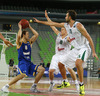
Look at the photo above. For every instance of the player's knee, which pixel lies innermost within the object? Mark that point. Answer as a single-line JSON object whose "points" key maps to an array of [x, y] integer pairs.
{"points": [[60, 65], [42, 70], [23, 75], [69, 69], [51, 71], [78, 63]]}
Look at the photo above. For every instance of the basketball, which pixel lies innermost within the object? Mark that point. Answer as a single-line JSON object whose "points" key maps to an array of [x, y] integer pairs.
{"points": [[24, 23]]}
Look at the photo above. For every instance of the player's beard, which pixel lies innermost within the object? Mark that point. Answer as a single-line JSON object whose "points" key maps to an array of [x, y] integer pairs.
{"points": [[67, 21], [27, 38]]}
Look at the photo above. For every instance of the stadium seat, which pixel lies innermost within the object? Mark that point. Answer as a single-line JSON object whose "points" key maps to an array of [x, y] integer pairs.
{"points": [[47, 46]]}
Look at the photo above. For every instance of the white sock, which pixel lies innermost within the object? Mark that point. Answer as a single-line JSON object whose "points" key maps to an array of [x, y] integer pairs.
{"points": [[76, 82], [35, 84], [81, 83], [66, 80], [51, 81], [7, 85]]}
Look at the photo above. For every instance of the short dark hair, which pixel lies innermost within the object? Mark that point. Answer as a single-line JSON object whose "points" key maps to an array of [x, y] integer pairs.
{"points": [[72, 13], [23, 32]]}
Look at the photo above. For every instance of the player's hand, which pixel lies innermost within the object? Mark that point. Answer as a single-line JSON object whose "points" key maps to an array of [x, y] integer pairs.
{"points": [[36, 20], [19, 25], [8, 43], [95, 55]]}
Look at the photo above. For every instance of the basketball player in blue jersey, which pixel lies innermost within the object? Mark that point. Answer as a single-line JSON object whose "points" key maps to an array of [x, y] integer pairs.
{"points": [[5, 41], [61, 49], [77, 30], [25, 66]]}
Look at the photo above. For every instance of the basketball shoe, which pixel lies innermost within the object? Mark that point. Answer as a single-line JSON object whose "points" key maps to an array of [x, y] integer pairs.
{"points": [[34, 89], [63, 85], [82, 92], [5, 88]]}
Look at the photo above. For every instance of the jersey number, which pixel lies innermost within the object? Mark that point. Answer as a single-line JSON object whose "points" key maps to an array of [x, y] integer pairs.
{"points": [[26, 47], [61, 41]]}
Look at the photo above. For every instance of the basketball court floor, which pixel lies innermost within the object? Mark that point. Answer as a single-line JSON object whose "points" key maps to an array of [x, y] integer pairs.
{"points": [[22, 87]]}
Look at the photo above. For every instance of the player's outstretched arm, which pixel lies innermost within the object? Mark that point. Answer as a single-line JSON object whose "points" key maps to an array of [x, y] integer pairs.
{"points": [[5, 41], [49, 23], [1, 37], [35, 36], [85, 33], [53, 27]]}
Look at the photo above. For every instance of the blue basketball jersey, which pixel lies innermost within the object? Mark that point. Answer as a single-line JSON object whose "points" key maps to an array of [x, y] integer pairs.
{"points": [[24, 52], [25, 66]]}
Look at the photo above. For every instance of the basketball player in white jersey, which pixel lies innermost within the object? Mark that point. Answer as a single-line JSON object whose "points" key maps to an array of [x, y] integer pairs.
{"points": [[5, 41], [75, 30], [62, 48]]}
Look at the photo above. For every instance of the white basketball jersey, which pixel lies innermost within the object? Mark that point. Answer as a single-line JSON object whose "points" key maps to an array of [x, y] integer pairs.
{"points": [[62, 45], [73, 32]]}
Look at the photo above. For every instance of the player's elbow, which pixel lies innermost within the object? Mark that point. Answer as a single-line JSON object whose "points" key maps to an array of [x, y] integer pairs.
{"points": [[18, 36], [37, 35]]}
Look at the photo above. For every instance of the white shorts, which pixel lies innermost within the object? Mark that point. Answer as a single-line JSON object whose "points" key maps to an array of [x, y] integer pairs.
{"points": [[83, 54], [73, 55], [54, 62]]}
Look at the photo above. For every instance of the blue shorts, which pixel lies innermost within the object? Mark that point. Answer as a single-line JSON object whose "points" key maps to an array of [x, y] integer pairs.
{"points": [[27, 68]]}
